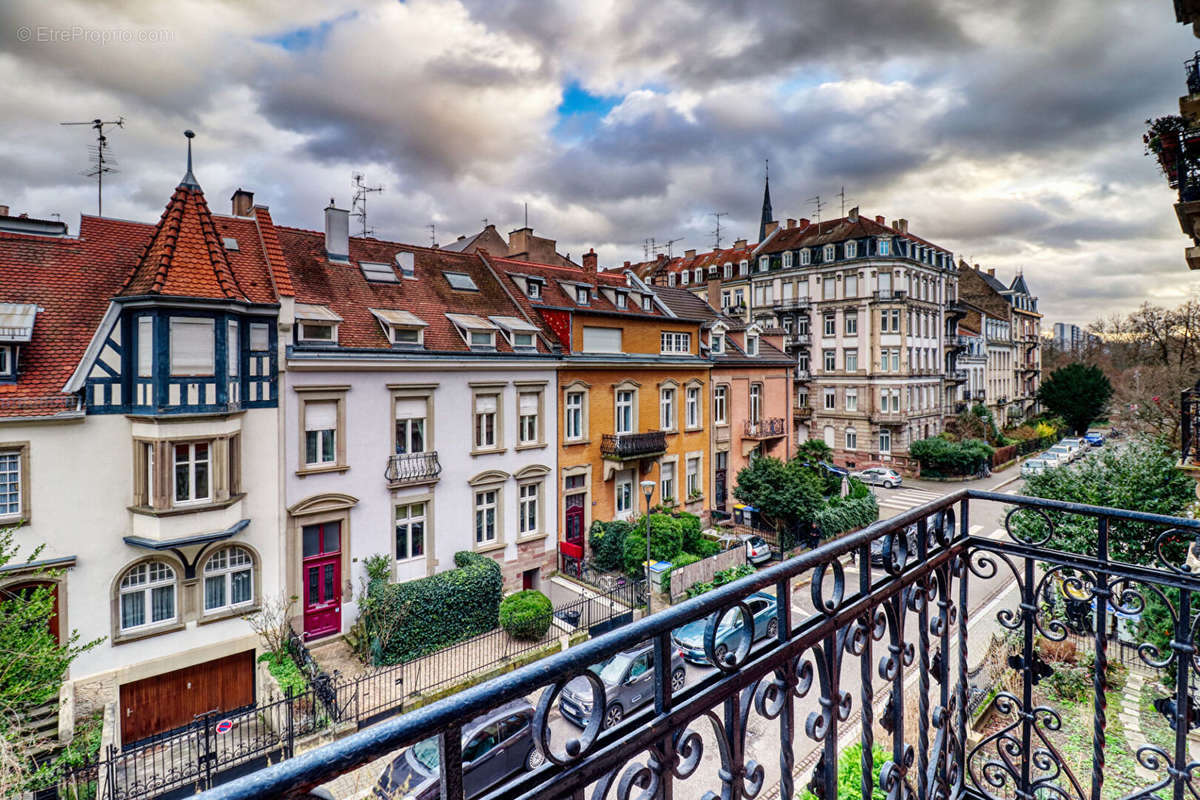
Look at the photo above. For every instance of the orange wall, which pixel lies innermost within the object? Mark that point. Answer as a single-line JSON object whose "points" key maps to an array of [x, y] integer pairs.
{"points": [[638, 335]]}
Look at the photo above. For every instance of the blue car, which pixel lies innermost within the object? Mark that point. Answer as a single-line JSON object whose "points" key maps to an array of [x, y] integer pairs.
{"points": [[1094, 438], [689, 638]]}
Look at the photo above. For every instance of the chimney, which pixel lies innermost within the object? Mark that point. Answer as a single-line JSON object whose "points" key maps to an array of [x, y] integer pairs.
{"points": [[242, 202], [853, 216], [902, 225], [740, 243], [713, 295], [770, 228], [3, 211], [689, 253], [460, 237], [992, 272], [662, 258], [518, 241], [791, 223], [627, 265], [337, 233], [805, 222], [589, 264], [879, 219]]}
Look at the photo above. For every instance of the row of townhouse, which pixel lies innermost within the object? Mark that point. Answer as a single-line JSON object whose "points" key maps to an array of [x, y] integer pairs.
{"points": [[200, 415]]}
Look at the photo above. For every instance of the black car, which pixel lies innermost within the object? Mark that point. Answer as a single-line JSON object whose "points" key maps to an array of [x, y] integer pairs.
{"points": [[495, 746], [910, 536]]}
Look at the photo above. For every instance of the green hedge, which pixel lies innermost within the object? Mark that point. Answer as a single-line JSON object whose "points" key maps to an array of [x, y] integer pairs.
{"points": [[608, 543], [941, 457], [666, 542], [407, 620], [526, 615], [845, 514]]}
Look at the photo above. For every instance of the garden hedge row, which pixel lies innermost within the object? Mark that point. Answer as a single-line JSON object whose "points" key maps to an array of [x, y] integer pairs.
{"points": [[940, 457], [846, 514], [407, 620]]}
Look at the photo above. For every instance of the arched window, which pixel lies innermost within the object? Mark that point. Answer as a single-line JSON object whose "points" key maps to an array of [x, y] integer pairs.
{"points": [[148, 595], [228, 579]]}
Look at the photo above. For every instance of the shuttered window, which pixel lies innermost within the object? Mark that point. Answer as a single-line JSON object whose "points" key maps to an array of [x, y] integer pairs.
{"points": [[602, 340], [192, 346]]}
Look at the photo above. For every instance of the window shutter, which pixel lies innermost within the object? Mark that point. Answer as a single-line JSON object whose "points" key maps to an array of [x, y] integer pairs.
{"points": [[411, 408], [602, 340], [485, 404], [529, 404], [320, 415], [145, 334], [233, 352], [191, 346]]}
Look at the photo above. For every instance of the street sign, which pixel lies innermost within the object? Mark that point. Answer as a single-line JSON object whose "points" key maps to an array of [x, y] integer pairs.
{"points": [[225, 726]]}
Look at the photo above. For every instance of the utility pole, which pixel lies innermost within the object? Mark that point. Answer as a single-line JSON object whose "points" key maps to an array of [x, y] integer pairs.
{"points": [[100, 162]]}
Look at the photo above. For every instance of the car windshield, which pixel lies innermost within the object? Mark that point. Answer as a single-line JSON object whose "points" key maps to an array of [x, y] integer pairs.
{"points": [[613, 670], [756, 541], [1033, 463], [426, 752]]}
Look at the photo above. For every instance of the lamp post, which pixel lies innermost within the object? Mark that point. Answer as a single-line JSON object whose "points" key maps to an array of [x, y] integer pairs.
{"points": [[648, 490]]}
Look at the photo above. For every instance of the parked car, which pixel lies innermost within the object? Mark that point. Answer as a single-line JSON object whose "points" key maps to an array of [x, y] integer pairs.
{"points": [[758, 550], [1094, 438], [1034, 466], [879, 476], [1077, 442], [495, 746], [1064, 453], [1054, 459], [628, 679], [910, 536], [689, 638]]}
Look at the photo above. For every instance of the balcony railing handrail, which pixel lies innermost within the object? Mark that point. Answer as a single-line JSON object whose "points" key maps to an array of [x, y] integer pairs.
{"points": [[632, 444], [944, 553], [408, 467], [768, 426]]}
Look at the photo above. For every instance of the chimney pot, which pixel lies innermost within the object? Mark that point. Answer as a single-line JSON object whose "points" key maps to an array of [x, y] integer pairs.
{"points": [[902, 225], [689, 253], [627, 265], [770, 227], [804, 222], [992, 272], [854, 214], [879, 219], [791, 223], [337, 233], [242, 202], [3, 211]]}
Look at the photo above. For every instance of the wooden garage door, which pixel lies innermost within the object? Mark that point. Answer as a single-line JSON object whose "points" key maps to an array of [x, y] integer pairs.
{"points": [[174, 699]]}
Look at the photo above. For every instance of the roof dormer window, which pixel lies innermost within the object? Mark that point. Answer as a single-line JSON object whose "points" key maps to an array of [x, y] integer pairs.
{"points": [[8, 362], [763, 263], [685, 277], [851, 249], [316, 324], [621, 300], [671, 279], [646, 302], [519, 333], [830, 253], [477, 332], [885, 247], [728, 273], [744, 267], [751, 344], [805, 257], [533, 288], [583, 295], [698, 276], [403, 328], [787, 259], [717, 343]]}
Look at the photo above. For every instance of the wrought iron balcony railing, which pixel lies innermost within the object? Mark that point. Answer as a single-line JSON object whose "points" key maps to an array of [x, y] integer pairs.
{"points": [[892, 643], [882, 417], [889, 296], [621, 446], [1189, 425], [404, 469], [765, 428], [792, 304], [802, 412], [799, 339], [956, 375]]}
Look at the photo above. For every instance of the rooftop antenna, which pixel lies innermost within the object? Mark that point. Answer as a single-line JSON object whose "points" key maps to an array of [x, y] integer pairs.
{"points": [[359, 204], [648, 248], [100, 162], [817, 202], [432, 234], [485, 222], [717, 232], [527, 215], [669, 244], [842, 194]]}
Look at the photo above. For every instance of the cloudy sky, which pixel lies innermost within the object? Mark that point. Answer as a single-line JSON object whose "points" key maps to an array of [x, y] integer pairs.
{"points": [[1009, 132]]}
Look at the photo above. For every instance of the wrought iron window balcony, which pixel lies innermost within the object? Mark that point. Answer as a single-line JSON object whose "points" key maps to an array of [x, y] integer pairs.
{"points": [[802, 412], [799, 339], [408, 469], [771, 428], [880, 417], [892, 643], [624, 446], [888, 297], [803, 375], [792, 304]]}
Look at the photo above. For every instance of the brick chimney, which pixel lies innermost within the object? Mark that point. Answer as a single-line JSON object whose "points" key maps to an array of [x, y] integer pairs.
{"points": [[901, 225], [713, 295], [242, 202], [3, 211], [879, 219], [992, 272], [853, 215], [804, 223], [590, 260], [627, 265], [770, 228], [791, 223], [689, 253], [739, 244]]}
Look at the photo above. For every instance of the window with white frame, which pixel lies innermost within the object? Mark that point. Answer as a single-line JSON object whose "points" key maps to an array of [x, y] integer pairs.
{"points": [[851, 359], [10, 483], [884, 280], [805, 257], [851, 439], [485, 516], [192, 472], [763, 263], [693, 476], [852, 399], [145, 346], [787, 259], [727, 270], [573, 416], [314, 331], [147, 596], [528, 411], [621, 299], [410, 424], [830, 321], [410, 531], [233, 351], [698, 275], [720, 393], [487, 410], [671, 279], [647, 301], [527, 508], [320, 432], [851, 249], [666, 408], [830, 357], [533, 288], [583, 295], [685, 278], [228, 579], [830, 253], [850, 322], [850, 286], [692, 411], [830, 396], [751, 344], [718, 343], [885, 436], [625, 408], [744, 267], [192, 346], [624, 490], [755, 402], [676, 342], [666, 485], [885, 248]]}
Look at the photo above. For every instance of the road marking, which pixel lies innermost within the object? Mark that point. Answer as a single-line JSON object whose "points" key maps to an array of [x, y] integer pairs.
{"points": [[906, 498], [975, 529]]}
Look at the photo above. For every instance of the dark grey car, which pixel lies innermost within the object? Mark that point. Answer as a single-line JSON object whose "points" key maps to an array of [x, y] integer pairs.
{"points": [[628, 679], [495, 746]]}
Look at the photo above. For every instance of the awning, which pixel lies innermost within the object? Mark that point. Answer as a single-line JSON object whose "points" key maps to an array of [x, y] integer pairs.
{"points": [[58, 562], [175, 545], [16, 321], [398, 317], [470, 322], [308, 311], [514, 324]]}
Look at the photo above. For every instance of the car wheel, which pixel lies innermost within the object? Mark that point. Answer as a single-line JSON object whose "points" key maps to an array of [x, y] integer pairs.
{"points": [[772, 628], [720, 652], [613, 715], [534, 760], [889, 485], [678, 678]]}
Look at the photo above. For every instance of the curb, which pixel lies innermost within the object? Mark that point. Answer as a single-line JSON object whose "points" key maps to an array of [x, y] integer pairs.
{"points": [[1001, 485]]}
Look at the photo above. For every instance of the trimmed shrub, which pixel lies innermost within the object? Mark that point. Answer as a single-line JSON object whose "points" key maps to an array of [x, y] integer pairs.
{"points": [[608, 543], [939, 457], [526, 615], [666, 542], [407, 620], [846, 513], [857, 489], [681, 560], [689, 528]]}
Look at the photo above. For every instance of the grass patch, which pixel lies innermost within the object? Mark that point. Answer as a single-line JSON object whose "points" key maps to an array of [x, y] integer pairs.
{"points": [[1154, 725], [286, 673]]}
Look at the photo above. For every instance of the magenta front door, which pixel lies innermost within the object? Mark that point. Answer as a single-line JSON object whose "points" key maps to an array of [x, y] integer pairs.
{"points": [[322, 579]]}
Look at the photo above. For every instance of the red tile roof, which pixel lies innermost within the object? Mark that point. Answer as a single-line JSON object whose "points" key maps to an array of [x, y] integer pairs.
{"points": [[651, 270], [344, 289]]}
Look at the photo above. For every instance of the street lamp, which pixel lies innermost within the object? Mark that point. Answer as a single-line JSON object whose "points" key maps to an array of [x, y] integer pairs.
{"points": [[648, 490]]}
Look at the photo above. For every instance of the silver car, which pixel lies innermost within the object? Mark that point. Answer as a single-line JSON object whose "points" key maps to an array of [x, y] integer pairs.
{"points": [[879, 476], [628, 679]]}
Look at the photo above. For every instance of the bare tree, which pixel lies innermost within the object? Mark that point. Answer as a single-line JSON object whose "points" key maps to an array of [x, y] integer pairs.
{"points": [[273, 622]]}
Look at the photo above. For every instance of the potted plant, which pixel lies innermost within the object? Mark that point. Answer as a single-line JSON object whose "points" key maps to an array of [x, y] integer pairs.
{"points": [[1162, 140]]}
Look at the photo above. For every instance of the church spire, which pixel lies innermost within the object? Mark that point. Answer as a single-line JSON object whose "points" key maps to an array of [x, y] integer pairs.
{"points": [[189, 180], [767, 214]]}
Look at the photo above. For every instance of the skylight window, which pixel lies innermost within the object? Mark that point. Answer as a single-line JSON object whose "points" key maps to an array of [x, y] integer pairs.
{"points": [[408, 268], [380, 273], [461, 281], [229, 242]]}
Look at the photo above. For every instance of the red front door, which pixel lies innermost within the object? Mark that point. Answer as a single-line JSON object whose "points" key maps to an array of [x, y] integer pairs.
{"points": [[574, 519], [322, 579]]}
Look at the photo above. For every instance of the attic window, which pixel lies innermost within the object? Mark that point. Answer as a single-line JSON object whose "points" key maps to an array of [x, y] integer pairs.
{"points": [[699, 275], [787, 259], [744, 267], [477, 332], [805, 257], [461, 281], [403, 328], [751, 344], [316, 332], [718, 343], [533, 288], [621, 300], [316, 324], [646, 301], [519, 333], [229, 242], [380, 273], [8, 362], [404, 260], [885, 247], [728, 270], [583, 295], [851, 249], [685, 277], [830, 253], [763, 263], [671, 279]]}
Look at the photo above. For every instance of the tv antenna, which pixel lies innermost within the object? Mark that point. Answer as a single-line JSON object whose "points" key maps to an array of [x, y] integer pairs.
{"points": [[669, 244], [648, 248], [842, 194], [717, 232], [432, 234], [817, 202], [359, 204], [101, 163]]}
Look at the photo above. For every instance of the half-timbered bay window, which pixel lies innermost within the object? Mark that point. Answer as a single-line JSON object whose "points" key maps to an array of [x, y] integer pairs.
{"points": [[147, 596], [193, 350], [228, 579]]}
